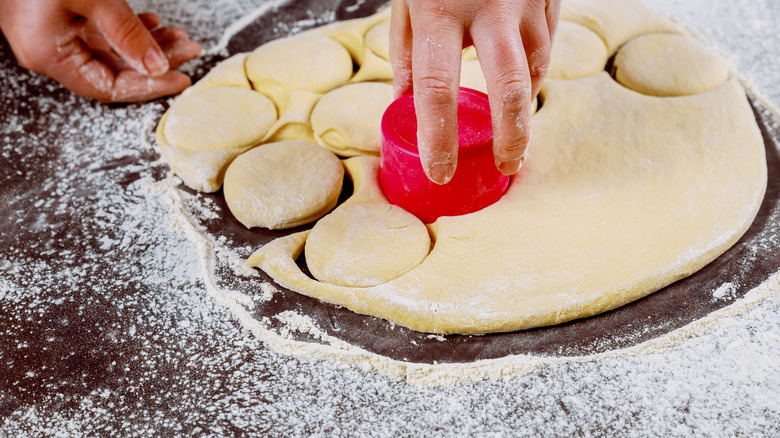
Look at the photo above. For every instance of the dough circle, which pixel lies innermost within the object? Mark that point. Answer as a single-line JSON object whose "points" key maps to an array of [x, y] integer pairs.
{"points": [[622, 193], [669, 65], [348, 119], [308, 62], [363, 245], [577, 52], [283, 185], [219, 118]]}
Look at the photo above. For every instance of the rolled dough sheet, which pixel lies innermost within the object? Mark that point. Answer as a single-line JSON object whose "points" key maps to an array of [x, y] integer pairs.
{"points": [[622, 194]]}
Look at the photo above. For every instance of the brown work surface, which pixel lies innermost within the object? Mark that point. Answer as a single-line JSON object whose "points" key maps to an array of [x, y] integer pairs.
{"points": [[751, 261], [106, 328]]}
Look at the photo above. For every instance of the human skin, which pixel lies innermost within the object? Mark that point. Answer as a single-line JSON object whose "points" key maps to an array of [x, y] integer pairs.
{"points": [[98, 48], [513, 39]]}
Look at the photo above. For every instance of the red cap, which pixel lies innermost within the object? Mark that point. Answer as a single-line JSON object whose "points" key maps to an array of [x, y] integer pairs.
{"points": [[477, 182]]}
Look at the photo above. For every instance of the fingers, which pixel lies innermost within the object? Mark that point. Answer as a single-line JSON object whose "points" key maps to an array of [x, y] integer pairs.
{"points": [[436, 57], [401, 48], [131, 86], [88, 76], [504, 63], [535, 34], [179, 51], [126, 33], [150, 19]]}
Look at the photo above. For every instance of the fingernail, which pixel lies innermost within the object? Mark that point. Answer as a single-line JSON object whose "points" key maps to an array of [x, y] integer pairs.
{"points": [[155, 62], [441, 173], [510, 167]]}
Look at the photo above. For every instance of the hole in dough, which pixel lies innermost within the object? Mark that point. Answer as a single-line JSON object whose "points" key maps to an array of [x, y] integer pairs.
{"points": [[283, 185], [364, 245], [669, 65]]}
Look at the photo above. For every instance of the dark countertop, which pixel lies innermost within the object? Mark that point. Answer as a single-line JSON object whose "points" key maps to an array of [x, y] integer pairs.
{"points": [[106, 325]]}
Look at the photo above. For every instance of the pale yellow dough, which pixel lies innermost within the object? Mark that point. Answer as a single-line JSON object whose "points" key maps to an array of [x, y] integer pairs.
{"points": [[219, 118], [366, 245], [348, 119], [669, 65], [607, 209], [622, 193], [577, 52], [307, 62], [283, 185], [205, 130]]}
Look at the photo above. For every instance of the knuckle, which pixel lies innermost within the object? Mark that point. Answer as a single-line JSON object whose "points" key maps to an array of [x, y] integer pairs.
{"points": [[438, 89], [128, 29], [539, 63], [512, 149], [514, 89]]}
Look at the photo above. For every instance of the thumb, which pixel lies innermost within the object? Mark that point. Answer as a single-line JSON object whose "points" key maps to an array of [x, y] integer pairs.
{"points": [[126, 34]]}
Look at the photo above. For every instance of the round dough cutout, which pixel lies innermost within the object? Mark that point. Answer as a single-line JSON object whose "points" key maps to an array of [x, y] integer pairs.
{"points": [[348, 120], [362, 245], [577, 52], [309, 62], [669, 65], [219, 118], [283, 185]]}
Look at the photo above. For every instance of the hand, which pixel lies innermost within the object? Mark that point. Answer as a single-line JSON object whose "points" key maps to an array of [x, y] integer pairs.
{"points": [[98, 48], [512, 39]]}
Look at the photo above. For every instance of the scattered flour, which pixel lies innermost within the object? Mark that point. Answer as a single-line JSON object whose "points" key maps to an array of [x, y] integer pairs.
{"points": [[105, 328]]}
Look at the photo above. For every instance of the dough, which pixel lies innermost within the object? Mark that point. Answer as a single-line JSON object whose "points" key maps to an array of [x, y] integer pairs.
{"points": [[471, 76], [621, 194], [228, 73], [283, 185], [348, 120], [669, 65], [295, 121], [308, 62], [352, 34], [366, 245], [616, 21], [378, 39], [577, 52], [203, 131], [607, 209], [219, 118]]}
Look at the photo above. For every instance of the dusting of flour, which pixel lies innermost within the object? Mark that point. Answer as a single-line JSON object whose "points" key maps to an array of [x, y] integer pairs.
{"points": [[132, 268]]}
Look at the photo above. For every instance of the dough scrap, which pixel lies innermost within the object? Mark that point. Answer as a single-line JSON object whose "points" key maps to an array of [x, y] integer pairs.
{"points": [[577, 52], [365, 245], [348, 120], [352, 33], [669, 65], [295, 121], [309, 62], [606, 210], [378, 39], [228, 73], [283, 185]]}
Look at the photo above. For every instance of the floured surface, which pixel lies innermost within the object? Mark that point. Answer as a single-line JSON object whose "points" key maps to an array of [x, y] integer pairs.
{"points": [[106, 325]]}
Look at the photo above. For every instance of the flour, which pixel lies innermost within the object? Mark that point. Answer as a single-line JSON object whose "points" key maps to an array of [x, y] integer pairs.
{"points": [[124, 341]]}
